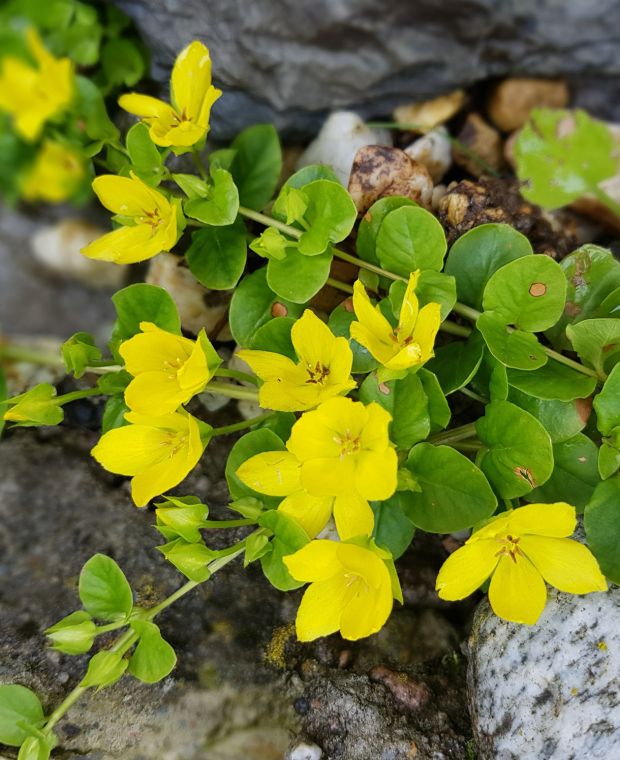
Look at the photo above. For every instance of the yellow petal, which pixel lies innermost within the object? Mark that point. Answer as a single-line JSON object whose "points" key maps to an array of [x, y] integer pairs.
{"points": [[269, 365], [363, 563], [283, 396], [312, 339], [154, 349], [155, 393], [353, 516], [181, 135], [408, 356], [195, 373], [274, 473], [147, 107], [565, 564], [370, 316], [130, 449], [426, 329], [191, 79], [409, 308], [340, 362], [466, 569], [558, 520], [328, 477], [376, 473], [380, 346], [375, 431], [321, 608], [316, 561], [310, 439], [126, 245], [209, 99], [177, 422], [311, 512], [517, 591], [367, 610], [42, 56], [123, 195]]}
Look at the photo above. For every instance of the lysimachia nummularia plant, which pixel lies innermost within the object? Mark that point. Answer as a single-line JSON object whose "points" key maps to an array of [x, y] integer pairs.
{"points": [[354, 411]]}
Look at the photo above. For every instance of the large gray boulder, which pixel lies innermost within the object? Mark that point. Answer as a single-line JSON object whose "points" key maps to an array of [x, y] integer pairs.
{"points": [[291, 61]]}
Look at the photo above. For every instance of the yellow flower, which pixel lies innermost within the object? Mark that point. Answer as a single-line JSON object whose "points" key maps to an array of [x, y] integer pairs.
{"points": [[152, 221], [278, 473], [323, 369], [55, 175], [350, 589], [32, 95], [158, 452], [168, 369], [521, 550], [344, 448], [186, 121], [410, 344]]}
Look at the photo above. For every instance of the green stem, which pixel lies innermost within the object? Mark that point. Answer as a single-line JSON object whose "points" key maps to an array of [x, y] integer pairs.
{"points": [[75, 395], [367, 265], [453, 329], [343, 286], [467, 446], [474, 396], [236, 374], [226, 429], [269, 221], [200, 165], [232, 391], [455, 434], [30, 355], [607, 201]]}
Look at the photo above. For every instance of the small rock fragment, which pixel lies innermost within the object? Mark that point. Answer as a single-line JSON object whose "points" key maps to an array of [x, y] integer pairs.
{"points": [[379, 171], [513, 99], [198, 307], [305, 751], [428, 114], [410, 693], [592, 208], [434, 150], [483, 141], [57, 246], [342, 135]]}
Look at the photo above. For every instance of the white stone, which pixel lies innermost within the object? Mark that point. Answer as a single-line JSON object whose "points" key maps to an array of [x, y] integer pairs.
{"points": [[341, 136], [57, 246], [305, 751], [549, 691], [434, 150]]}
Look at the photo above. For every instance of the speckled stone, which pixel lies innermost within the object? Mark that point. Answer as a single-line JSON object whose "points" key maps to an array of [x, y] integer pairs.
{"points": [[549, 691]]}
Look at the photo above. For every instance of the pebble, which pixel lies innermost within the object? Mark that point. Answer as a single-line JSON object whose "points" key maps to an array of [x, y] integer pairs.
{"points": [[513, 99], [341, 136], [379, 171], [549, 691], [434, 150], [481, 139], [305, 751], [428, 114], [57, 247]]}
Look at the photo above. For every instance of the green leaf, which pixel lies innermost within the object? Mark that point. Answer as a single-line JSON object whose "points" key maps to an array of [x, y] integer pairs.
{"points": [[114, 413], [393, 529], [153, 658], [561, 419], [73, 634], [602, 524], [553, 381], [596, 341], [456, 363], [308, 174], [432, 287], [256, 546], [477, 254], [253, 304], [529, 293], [513, 348], [257, 164], [607, 403], [221, 205], [18, 705], [575, 473], [191, 559], [80, 352], [562, 155], [145, 158], [411, 238], [520, 453], [438, 408], [297, 277], [255, 442], [340, 323], [3, 396], [275, 336], [454, 494], [104, 590], [184, 519], [592, 274], [143, 303], [289, 536], [36, 748], [330, 214], [93, 113], [104, 669], [608, 460], [406, 401], [366, 242], [122, 62], [217, 255], [35, 408], [192, 186]]}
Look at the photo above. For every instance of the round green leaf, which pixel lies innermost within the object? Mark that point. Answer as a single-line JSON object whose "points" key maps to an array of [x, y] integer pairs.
{"points": [[104, 590], [454, 493], [308, 174], [289, 536], [393, 529], [330, 213], [561, 419], [602, 523], [253, 304], [256, 165], [221, 205], [438, 407], [477, 254], [553, 381], [607, 403], [529, 293], [520, 453], [255, 442], [411, 238], [145, 158], [144, 303], [217, 255], [575, 473], [339, 323], [456, 363], [17, 703], [596, 341], [275, 336], [153, 658], [298, 277], [366, 242], [513, 348]]}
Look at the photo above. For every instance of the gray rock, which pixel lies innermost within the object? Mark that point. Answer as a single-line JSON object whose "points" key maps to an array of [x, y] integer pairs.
{"points": [[292, 61], [550, 691]]}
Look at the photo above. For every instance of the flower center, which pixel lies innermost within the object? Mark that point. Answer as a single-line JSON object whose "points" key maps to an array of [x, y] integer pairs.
{"points": [[406, 342], [510, 547], [349, 444], [353, 579], [152, 218], [175, 441], [318, 374], [172, 367]]}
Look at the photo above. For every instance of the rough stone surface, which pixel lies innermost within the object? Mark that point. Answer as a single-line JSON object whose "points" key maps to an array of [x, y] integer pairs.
{"points": [[552, 690], [512, 100], [292, 61]]}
